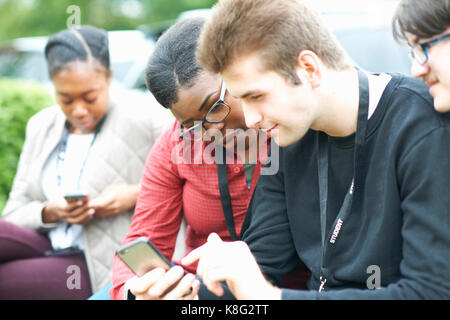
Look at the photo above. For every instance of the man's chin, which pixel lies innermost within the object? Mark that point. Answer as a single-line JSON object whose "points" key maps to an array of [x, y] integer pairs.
{"points": [[279, 141], [441, 106], [282, 141]]}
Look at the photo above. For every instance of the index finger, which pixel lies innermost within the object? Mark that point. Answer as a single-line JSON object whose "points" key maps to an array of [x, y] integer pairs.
{"points": [[193, 256], [196, 254]]}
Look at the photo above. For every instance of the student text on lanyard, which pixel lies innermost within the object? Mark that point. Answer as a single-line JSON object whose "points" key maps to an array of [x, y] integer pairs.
{"points": [[329, 240]]}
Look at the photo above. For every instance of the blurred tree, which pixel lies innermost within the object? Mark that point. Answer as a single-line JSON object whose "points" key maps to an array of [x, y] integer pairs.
{"points": [[23, 18]]}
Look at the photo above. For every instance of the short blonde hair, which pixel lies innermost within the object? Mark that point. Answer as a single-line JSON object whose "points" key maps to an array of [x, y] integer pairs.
{"points": [[278, 29]]}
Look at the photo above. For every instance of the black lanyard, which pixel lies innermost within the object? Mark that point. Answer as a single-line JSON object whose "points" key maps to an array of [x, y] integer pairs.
{"points": [[329, 241], [225, 197]]}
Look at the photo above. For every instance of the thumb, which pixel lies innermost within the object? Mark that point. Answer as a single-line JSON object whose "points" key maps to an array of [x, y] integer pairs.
{"points": [[100, 201]]}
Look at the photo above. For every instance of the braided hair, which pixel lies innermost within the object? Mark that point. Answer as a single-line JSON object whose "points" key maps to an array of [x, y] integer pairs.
{"points": [[84, 43]]}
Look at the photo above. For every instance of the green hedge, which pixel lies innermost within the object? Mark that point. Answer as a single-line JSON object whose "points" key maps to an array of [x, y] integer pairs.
{"points": [[19, 100]]}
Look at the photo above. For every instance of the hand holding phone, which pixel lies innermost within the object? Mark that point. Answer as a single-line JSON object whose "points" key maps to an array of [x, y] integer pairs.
{"points": [[141, 256], [68, 209]]}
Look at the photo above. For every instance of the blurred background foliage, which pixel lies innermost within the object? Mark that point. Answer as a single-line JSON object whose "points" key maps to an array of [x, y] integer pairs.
{"points": [[24, 18], [19, 100]]}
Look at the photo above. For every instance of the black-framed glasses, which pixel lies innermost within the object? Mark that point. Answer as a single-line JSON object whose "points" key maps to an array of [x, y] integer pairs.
{"points": [[216, 114], [420, 51]]}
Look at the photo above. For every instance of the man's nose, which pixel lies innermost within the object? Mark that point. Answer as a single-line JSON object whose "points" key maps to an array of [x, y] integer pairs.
{"points": [[252, 116], [419, 70]]}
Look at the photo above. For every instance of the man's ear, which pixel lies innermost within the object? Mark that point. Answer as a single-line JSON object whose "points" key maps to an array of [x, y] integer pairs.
{"points": [[309, 67]]}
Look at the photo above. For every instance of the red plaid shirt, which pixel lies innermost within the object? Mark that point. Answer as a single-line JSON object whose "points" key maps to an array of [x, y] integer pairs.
{"points": [[171, 191]]}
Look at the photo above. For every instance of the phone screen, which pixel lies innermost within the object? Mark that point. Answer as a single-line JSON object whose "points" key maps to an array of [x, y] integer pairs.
{"points": [[74, 197], [141, 256]]}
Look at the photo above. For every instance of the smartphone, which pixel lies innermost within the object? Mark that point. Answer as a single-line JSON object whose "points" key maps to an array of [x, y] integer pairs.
{"points": [[141, 256], [74, 197]]}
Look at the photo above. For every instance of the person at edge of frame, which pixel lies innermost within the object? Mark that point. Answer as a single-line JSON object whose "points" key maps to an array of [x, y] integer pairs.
{"points": [[425, 25]]}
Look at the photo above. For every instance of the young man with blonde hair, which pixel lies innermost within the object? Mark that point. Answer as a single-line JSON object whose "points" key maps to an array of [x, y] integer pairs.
{"points": [[361, 196], [425, 24]]}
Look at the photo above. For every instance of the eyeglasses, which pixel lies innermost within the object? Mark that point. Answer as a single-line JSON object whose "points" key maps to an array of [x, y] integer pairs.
{"points": [[216, 114], [420, 51]]}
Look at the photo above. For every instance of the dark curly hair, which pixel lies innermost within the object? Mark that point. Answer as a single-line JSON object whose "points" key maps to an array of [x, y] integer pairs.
{"points": [[173, 63], [421, 18]]}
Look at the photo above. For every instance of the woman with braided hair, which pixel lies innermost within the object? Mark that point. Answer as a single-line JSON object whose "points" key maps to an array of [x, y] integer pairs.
{"points": [[89, 144]]}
